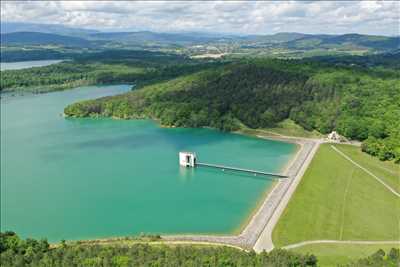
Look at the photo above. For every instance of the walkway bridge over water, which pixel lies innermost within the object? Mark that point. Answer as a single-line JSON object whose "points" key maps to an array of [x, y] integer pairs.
{"points": [[189, 159], [223, 168]]}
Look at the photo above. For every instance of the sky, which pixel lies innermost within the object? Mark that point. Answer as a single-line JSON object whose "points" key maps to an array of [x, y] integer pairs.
{"points": [[238, 17]]}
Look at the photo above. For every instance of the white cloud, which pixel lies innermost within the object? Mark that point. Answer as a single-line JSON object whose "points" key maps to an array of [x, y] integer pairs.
{"points": [[245, 17]]}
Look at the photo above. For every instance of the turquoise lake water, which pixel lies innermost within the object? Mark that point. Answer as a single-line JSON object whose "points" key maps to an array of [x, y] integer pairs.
{"points": [[92, 178], [26, 64]]}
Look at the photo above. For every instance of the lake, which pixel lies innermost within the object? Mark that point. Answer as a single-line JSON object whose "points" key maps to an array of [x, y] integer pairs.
{"points": [[64, 178], [26, 64]]}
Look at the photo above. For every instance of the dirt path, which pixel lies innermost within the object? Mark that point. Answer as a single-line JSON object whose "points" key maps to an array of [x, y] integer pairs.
{"points": [[344, 204], [367, 171], [355, 242]]}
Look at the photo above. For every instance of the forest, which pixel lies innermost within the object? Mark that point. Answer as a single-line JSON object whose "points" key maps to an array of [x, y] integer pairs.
{"points": [[361, 103], [358, 96], [100, 67], [15, 251]]}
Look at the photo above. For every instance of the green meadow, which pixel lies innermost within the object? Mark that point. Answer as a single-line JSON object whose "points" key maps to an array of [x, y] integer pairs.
{"points": [[337, 200], [386, 170]]}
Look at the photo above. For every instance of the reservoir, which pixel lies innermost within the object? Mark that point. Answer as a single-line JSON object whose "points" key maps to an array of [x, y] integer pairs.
{"points": [[26, 64], [71, 179]]}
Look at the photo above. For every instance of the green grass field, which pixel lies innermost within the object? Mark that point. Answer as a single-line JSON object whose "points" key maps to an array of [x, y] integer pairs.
{"points": [[337, 200], [285, 128], [387, 171], [334, 254], [290, 128]]}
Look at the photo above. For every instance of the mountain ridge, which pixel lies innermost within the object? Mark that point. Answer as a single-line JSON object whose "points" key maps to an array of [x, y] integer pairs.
{"points": [[284, 40], [40, 38]]}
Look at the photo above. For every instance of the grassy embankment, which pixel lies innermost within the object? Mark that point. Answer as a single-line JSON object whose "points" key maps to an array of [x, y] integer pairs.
{"points": [[336, 200], [286, 128]]}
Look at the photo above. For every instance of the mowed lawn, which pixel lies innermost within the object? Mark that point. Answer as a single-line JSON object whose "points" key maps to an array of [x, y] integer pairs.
{"points": [[335, 254], [387, 171], [336, 200]]}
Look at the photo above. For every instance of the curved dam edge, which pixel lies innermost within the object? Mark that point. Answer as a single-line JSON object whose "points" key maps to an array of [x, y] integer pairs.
{"points": [[257, 234]]}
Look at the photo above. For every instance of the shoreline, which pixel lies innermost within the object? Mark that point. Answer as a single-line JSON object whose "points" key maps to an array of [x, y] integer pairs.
{"points": [[253, 227], [265, 240], [275, 182], [254, 210], [249, 231], [252, 232]]}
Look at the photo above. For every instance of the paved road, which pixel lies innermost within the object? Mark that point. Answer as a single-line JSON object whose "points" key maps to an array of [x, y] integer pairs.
{"points": [[356, 242], [264, 242]]}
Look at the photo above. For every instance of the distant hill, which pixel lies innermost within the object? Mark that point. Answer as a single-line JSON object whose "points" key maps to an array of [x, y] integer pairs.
{"points": [[281, 37], [345, 40], [290, 40], [10, 27], [389, 60], [291, 43], [147, 36], [378, 42], [193, 37], [38, 38]]}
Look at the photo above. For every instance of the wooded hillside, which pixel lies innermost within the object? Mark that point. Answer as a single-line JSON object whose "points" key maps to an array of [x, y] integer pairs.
{"points": [[104, 67], [360, 103]]}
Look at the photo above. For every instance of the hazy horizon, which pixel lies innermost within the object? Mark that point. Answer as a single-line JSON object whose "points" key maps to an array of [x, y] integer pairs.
{"points": [[215, 17], [187, 32]]}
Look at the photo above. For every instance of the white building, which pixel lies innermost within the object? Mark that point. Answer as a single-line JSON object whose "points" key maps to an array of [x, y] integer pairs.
{"points": [[187, 159], [334, 136]]}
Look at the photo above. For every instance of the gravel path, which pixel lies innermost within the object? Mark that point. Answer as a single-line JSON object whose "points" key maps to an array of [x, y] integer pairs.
{"points": [[356, 242], [264, 242], [280, 194]]}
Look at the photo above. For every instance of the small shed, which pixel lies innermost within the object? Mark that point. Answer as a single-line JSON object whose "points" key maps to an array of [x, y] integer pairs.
{"points": [[334, 136], [187, 159]]}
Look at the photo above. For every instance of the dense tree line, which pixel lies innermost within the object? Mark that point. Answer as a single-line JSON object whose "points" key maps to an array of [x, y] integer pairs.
{"points": [[17, 252], [391, 60], [360, 103], [17, 54], [27, 53], [222, 97], [48, 78], [378, 259], [103, 67]]}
